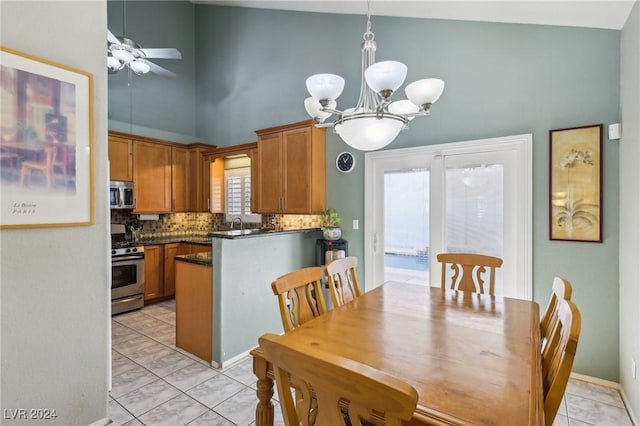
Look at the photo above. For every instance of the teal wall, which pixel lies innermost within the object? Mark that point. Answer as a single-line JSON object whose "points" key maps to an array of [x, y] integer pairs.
{"points": [[150, 105], [501, 79]]}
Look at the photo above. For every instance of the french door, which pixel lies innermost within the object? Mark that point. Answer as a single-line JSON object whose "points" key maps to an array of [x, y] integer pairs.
{"points": [[472, 197]]}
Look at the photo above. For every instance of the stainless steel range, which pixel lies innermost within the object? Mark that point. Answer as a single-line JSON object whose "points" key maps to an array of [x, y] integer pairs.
{"points": [[127, 272]]}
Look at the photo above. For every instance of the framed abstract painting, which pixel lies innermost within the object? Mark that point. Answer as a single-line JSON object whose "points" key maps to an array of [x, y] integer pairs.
{"points": [[46, 143]]}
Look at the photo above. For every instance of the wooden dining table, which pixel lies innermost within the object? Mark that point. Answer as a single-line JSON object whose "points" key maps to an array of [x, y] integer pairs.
{"points": [[473, 358]]}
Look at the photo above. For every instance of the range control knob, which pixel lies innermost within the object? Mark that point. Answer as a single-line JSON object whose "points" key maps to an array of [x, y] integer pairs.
{"points": [[128, 250], [113, 252], [135, 249]]}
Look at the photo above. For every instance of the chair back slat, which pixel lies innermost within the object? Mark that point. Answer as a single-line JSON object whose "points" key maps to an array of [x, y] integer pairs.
{"points": [[469, 271], [558, 358], [314, 387], [300, 296], [561, 289], [343, 280]]}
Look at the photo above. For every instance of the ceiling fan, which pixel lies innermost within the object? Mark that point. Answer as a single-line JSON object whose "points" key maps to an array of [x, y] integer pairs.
{"points": [[123, 51]]}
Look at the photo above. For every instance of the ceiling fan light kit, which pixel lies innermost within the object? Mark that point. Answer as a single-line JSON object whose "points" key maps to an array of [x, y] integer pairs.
{"points": [[376, 120], [125, 52]]}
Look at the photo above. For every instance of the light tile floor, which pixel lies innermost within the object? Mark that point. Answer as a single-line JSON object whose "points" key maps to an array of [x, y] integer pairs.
{"points": [[155, 383]]}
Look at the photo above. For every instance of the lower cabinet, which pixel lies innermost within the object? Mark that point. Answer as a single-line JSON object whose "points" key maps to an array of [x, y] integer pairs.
{"points": [[194, 316], [170, 253], [190, 248], [160, 268], [153, 272]]}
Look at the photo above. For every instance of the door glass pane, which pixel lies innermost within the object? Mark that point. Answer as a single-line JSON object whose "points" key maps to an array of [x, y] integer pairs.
{"points": [[406, 225], [474, 211]]}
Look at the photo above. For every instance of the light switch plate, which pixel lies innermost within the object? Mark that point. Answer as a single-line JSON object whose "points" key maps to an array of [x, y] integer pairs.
{"points": [[356, 224], [614, 131]]}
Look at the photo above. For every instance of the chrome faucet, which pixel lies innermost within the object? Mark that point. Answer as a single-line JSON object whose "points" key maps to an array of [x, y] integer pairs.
{"points": [[237, 218]]}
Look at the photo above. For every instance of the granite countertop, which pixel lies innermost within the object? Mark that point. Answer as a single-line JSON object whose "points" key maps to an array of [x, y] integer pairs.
{"points": [[204, 259], [176, 239], [249, 233]]}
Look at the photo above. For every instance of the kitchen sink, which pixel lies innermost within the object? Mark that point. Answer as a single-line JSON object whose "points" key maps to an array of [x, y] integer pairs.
{"points": [[239, 232]]}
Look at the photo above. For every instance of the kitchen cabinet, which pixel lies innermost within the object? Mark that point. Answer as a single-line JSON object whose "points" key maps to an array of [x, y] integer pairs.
{"points": [[152, 177], [199, 187], [179, 178], [217, 160], [217, 185], [291, 169], [153, 272], [168, 177], [194, 309], [192, 248], [169, 267], [255, 196], [160, 268], [170, 253], [120, 158]]}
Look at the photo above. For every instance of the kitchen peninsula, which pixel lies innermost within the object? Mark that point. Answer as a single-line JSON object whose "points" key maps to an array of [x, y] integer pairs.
{"points": [[243, 263]]}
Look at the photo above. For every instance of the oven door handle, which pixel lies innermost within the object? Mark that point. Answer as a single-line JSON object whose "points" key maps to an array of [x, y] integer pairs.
{"points": [[126, 258]]}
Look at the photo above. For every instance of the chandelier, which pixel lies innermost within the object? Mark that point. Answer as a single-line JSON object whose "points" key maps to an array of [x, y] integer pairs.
{"points": [[376, 120]]}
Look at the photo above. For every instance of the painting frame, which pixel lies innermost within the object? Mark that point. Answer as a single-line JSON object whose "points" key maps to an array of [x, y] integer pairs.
{"points": [[575, 184], [46, 143]]}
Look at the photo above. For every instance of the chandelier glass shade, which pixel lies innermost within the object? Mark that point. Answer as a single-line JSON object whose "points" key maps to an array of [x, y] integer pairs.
{"points": [[376, 120]]}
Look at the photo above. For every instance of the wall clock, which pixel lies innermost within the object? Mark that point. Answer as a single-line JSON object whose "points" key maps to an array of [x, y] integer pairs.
{"points": [[345, 162]]}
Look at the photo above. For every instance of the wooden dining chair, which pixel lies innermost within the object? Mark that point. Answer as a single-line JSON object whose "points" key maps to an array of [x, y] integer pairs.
{"points": [[330, 390], [469, 271], [44, 166], [558, 360], [299, 296], [561, 289], [343, 280]]}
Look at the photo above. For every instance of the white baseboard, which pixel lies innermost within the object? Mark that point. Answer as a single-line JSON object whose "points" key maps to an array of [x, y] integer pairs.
{"points": [[627, 405], [610, 384], [231, 361], [595, 380], [101, 422]]}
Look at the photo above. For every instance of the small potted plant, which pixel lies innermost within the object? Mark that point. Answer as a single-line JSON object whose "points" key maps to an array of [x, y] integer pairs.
{"points": [[331, 225]]}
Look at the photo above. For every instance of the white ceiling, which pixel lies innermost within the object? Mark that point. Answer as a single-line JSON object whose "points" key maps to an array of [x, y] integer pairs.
{"points": [[610, 14]]}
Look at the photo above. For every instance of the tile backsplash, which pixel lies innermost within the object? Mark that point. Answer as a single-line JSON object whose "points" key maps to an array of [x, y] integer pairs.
{"points": [[200, 224]]}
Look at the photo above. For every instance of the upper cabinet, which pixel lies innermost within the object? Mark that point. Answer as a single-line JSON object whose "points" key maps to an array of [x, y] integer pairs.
{"points": [[216, 182], [199, 198], [152, 177], [179, 178], [120, 158], [217, 159], [291, 169]]}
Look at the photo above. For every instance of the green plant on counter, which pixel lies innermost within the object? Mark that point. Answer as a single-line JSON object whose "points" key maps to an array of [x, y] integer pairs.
{"points": [[330, 219]]}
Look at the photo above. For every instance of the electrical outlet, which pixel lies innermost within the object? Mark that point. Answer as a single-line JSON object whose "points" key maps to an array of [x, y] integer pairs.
{"points": [[356, 224], [633, 368]]}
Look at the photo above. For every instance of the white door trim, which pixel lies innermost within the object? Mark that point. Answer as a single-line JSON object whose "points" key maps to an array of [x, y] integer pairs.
{"points": [[521, 144]]}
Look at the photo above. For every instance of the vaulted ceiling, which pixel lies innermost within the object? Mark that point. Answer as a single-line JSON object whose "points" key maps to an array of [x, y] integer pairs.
{"points": [[610, 14]]}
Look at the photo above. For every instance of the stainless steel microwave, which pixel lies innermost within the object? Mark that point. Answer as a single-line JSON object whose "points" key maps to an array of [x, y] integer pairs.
{"points": [[121, 195]]}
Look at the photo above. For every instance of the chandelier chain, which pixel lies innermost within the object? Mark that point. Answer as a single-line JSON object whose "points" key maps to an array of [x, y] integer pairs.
{"points": [[368, 34]]}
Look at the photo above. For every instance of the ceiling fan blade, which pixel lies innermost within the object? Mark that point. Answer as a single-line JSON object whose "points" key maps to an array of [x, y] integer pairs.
{"points": [[166, 53], [111, 38], [161, 71]]}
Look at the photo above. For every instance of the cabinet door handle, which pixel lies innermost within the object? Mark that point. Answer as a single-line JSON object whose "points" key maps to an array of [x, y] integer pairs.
{"points": [[208, 203]]}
